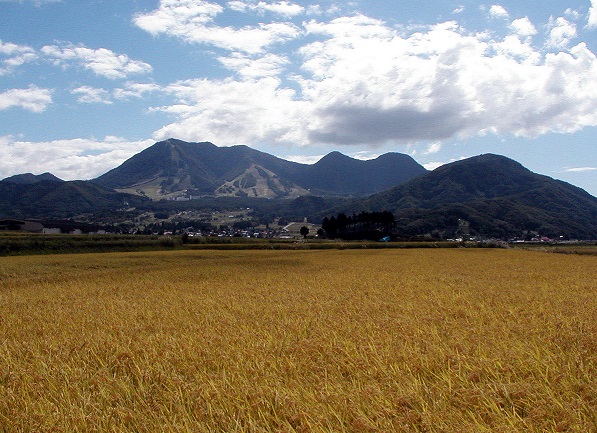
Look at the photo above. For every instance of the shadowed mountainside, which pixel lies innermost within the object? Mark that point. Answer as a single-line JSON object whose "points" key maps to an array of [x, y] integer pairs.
{"points": [[496, 195]]}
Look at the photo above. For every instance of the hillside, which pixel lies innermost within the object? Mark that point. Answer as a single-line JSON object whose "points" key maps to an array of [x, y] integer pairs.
{"points": [[45, 199], [495, 195], [171, 167]]}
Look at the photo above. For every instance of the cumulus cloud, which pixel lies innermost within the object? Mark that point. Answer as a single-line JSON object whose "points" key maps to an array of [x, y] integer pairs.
{"points": [[433, 165], [193, 22], [284, 8], [33, 99], [92, 95], [13, 55], [498, 11], [523, 27], [101, 61], [67, 159], [229, 112], [249, 67], [364, 82], [434, 148], [561, 33], [592, 23]]}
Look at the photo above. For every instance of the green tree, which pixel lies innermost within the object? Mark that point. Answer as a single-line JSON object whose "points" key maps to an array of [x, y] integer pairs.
{"points": [[304, 231]]}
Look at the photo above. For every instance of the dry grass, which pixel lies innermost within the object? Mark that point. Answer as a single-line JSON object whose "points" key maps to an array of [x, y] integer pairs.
{"points": [[299, 341]]}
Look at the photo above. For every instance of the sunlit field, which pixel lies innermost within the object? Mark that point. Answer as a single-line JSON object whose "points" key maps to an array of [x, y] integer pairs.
{"points": [[444, 340]]}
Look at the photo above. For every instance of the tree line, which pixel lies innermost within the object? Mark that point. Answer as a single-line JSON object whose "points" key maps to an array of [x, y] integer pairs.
{"points": [[364, 225]]}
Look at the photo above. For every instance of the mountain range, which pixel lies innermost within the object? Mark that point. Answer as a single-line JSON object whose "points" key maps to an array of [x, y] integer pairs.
{"points": [[172, 167], [487, 195]]}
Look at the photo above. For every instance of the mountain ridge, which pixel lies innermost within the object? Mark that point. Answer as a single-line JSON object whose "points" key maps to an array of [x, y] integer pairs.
{"points": [[63, 199], [483, 196], [29, 178], [174, 166], [495, 194]]}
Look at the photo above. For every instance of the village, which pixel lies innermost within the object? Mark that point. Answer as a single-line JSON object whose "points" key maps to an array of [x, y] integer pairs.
{"points": [[226, 225], [188, 224]]}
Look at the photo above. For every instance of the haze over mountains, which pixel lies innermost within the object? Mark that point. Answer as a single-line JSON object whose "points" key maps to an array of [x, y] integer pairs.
{"points": [[494, 195]]}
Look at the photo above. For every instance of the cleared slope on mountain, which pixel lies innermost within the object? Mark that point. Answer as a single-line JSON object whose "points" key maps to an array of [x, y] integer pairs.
{"points": [[173, 166]]}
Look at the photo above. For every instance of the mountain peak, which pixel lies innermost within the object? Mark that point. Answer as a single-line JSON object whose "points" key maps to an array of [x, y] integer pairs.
{"points": [[30, 178], [493, 158], [334, 157], [496, 195], [173, 167]]}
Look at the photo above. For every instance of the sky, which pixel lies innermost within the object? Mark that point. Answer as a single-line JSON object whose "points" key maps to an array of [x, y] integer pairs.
{"points": [[86, 84]]}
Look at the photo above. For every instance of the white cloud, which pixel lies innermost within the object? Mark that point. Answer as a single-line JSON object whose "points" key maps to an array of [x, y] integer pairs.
{"points": [[364, 155], [459, 10], [304, 159], [580, 169], [561, 32], [523, 27], [364, 82], [283, 8], [572, 14], [265, 66], [102, 61], [229, 112], [92, 95], [193, 21], [433, 165], [498, 11], [519, 49], [67, 159], [177, 16], [433, 148], [135, 90], [314, 10], [592, 21], [33, 99], [13, 55]]}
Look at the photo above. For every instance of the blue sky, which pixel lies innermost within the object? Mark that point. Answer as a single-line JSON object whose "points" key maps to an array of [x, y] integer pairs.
{"points": [[85, 84]]}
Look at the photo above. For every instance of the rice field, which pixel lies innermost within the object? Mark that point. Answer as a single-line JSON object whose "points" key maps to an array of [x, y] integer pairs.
{"points": [[444, 340]]}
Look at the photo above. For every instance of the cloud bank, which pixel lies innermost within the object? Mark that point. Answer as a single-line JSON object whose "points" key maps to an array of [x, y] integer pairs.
{"points": [[67, 159], [360, 81]]}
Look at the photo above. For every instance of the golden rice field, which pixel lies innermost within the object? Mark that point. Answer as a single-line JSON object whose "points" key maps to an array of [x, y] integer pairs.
{"points": [[444, 340]]}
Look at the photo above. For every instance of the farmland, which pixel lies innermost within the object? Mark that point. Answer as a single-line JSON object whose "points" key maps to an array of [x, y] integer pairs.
{"points": [[388, 340]]}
